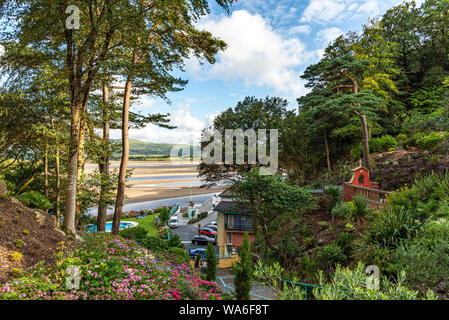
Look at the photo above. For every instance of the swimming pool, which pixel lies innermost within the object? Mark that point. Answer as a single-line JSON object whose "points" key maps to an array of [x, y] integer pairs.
{"points": [[123, 225]]}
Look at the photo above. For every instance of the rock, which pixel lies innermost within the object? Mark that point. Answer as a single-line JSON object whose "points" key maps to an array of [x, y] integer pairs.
{"points": [[441, 288], [59, 231], [16, 201], [40, 217], [3, 189], [320, 241]]}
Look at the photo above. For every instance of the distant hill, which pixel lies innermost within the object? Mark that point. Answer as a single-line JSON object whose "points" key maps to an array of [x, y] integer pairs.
{"points": [[141, 150]]}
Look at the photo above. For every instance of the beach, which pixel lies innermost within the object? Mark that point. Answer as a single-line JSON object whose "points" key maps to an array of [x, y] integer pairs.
{"points": [[152, 181]]}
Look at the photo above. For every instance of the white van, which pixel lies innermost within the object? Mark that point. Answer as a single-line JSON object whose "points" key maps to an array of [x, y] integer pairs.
{"points": [[173, 222]]}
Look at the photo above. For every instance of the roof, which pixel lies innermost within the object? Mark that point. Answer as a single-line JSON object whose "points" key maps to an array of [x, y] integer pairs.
{"points": [[232, 208]]}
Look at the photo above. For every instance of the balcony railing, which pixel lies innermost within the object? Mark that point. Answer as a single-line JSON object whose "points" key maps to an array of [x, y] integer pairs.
{"points": [[237, 227]]}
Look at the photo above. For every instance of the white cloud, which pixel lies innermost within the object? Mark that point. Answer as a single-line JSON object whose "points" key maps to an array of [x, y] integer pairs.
{"points": [[337, 11], [305, 29], [188, 129], [256, 54], [328, 35], [2, 50]]}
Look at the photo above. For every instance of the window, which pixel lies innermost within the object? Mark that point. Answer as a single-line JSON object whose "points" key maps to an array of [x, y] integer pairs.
{"points": [[361, 179], [242, 217], [229, 236]]}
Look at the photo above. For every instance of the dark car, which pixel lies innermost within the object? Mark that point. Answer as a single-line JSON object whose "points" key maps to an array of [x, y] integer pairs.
{"points": [[201, 239], [200, 251], [208, 232], [211, 226]]}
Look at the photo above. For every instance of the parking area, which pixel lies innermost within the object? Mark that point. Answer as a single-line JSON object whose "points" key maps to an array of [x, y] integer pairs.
{"points": [[187, 231]]}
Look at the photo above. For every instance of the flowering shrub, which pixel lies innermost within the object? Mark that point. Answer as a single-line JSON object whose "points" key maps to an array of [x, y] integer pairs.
{"points": [[111, 268]]}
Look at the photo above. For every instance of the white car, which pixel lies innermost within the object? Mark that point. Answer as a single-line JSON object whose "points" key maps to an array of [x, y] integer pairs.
{"points": [[173, 223]]}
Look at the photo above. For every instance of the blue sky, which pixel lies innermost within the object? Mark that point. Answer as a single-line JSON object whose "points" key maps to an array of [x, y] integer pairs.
{"points": [[270, 43]]}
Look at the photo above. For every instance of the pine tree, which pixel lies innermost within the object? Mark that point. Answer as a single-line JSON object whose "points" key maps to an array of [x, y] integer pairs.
{"points": [[243, 272], [211, 272]]}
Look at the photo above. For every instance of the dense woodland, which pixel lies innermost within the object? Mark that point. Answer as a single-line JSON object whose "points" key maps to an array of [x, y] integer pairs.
{"points": [[373, 95]]}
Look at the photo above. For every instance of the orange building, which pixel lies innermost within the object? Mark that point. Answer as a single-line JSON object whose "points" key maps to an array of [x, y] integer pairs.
{"points": [[234, 219]]}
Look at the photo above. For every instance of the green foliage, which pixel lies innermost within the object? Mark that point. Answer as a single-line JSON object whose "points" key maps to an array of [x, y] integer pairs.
{"points": [[175, 242], [19, 243], [323, 224], [16, 256], [278, 210], [346, 241], [356, 152], [211, 273], [34, 199], [334, 196], [342, 209], [243, 272], [392, 226], [432, 141], [164, 214], [384, 143], [347, 284], [426, 258], [360, 207], [330, 255], [137, 234]]}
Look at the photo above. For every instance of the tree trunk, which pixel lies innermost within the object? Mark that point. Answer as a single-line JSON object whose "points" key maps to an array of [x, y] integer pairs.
{"points": [[125, 154], [328, 159], [80, 164], [72, 167], [104, 164], [46, 171], [58, 188]]}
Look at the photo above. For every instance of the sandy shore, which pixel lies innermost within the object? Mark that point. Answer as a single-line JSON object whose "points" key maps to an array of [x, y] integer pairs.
{"points": [[160, 180]]}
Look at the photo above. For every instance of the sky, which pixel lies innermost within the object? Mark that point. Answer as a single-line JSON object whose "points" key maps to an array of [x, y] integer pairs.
{"points": [[270, 44]]}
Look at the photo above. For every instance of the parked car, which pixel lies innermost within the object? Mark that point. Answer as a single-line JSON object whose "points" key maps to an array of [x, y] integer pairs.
{"points": [[201, 239], [200, 251], [213, 223], [208, 232], [173, 223], [211, 226]]}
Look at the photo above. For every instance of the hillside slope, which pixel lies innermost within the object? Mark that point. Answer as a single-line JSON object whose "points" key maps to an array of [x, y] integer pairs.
{"points": [[30, 232]]}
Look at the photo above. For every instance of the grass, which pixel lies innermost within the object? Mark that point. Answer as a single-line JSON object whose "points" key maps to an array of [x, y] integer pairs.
{"points": [[147, 224]]}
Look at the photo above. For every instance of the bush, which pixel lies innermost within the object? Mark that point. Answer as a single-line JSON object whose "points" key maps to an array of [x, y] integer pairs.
{"points": [[426, 259], [432, 141], [334, 196], [392, 227], [211, 273], [342, 209], [137, 234], [178, 255], [345, 241], [34, 199], [154, 244], [243, 271], [383, 144], [356, 152], [331, 254], [359, 207], [164, 214], [349, 284]]}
